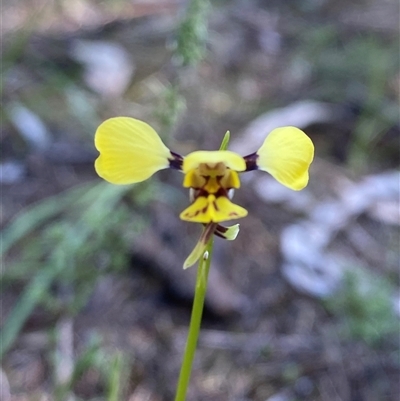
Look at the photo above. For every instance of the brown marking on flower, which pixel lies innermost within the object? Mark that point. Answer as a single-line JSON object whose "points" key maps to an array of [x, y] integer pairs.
{"points": [[251, 162], [215, 205], [176, 161]]}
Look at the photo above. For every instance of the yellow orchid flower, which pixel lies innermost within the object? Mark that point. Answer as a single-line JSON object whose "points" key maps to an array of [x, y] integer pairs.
{"points": [[131, 151]]}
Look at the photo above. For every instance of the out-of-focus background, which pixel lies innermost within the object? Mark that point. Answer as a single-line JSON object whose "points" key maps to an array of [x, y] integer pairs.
{"points": [[303, 305]]}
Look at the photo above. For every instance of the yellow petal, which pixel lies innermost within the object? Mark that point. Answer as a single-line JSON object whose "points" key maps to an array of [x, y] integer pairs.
{"points": [[229, 159], [193, 179], [230, 180], [286, 154], [130, 151], [212, 209]]}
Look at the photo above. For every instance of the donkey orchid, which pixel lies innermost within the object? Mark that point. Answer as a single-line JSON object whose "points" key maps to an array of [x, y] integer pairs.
{"points": [[131, 151]]}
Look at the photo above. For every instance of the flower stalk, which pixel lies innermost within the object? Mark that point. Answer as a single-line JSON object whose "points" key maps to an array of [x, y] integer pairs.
{"points": [[195, 322]]}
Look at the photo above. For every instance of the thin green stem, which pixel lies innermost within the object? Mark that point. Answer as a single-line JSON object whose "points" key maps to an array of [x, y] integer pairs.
{"points": [[195, 321]]}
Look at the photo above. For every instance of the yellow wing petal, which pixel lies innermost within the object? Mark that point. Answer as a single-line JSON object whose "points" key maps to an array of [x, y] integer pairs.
{"points": [[130, 151], [286, 154], [212, 209]]}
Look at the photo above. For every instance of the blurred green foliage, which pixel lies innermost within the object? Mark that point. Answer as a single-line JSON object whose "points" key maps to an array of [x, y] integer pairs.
{"points": [[192, 33], [69, 239], [189, 49], [169, 108], [110, 366], [364, 309]]}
